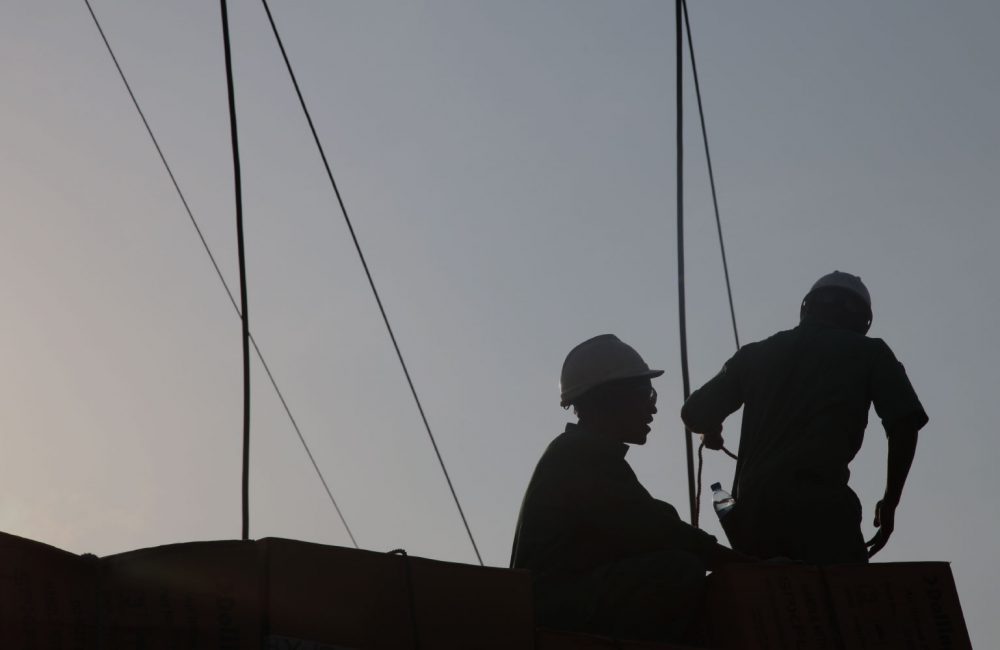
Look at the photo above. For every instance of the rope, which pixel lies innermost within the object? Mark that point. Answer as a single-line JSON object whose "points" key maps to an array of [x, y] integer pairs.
{"points": [[697, 498], [215, 265], [244, 315], [371, 281]]}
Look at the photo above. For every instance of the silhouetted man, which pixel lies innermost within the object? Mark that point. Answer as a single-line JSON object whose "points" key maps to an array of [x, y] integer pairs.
{"points": [[806, 393], [606, 556]]}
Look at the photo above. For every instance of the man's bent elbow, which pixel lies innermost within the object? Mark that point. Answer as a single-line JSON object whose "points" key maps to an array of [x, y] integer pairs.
{"points": [[698, 422]]}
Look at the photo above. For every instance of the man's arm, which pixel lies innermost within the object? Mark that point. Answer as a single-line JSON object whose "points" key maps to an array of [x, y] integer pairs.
{"points": [[707, 407], [902, 416], [649, 524], [902, 447]]}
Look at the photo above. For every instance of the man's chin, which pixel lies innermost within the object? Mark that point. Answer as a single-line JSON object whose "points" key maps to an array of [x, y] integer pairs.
{"points": [[640, 438]]}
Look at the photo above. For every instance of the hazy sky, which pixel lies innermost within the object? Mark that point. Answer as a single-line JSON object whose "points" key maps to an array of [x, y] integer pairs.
{"points": [[509, 167]]}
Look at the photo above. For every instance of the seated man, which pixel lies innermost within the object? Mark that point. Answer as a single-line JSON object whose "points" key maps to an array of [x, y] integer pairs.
{"points": [[606, 556]]}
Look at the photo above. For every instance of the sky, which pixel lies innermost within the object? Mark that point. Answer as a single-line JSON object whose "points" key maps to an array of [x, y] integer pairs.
{"points": [[509, 169]]}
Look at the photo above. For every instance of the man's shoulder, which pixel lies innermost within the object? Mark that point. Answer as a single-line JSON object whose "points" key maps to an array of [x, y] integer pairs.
{"points": [[840, 336], [782, 339], [574, 438], [878, 345], [861, 344], [565, 441], [577, 445]]}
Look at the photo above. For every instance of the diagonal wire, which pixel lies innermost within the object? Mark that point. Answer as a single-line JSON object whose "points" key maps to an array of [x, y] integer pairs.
{"points": [[218, 272], [711, 174], [371, 281]]}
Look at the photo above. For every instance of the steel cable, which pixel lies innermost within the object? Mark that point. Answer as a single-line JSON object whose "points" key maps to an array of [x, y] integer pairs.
{"points": [[218, 271], [718, 223], [368, 274], [711, 173]]}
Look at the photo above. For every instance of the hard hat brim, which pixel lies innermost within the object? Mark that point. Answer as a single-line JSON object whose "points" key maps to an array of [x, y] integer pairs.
{"points": [[572, 395]]}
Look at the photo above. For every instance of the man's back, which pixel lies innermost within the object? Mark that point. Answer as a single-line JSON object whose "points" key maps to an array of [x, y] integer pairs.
{"points": [[806, 393]]}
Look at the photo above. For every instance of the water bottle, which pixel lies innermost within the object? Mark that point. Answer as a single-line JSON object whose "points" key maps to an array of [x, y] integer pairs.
{"points": [[722, 501]]}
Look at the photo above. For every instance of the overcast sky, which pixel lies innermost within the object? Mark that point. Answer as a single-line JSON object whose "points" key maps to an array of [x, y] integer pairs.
{"points": [[509, 167]]}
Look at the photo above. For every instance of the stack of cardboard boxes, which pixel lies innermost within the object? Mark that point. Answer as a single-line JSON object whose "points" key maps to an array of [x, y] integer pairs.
{"points": [[277, 594], [272, 593]]}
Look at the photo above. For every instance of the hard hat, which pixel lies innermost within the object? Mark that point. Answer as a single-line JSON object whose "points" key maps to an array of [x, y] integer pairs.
{"points": [[598, 361], [846, 281]]}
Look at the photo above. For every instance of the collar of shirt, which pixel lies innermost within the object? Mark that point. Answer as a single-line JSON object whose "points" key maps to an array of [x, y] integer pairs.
{"points": [[598, 441]]}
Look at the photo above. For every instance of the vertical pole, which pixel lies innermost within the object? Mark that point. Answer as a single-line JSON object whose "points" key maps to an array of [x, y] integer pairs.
{"points": [[243, 273], [682, 312]]}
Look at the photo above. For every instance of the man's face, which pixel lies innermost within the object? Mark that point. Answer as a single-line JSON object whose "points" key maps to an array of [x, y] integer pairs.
{"points": [[633, 404]]}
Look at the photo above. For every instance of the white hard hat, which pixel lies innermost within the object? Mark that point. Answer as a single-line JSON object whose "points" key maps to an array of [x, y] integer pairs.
{"points": [[846, 281], [597, 361]]}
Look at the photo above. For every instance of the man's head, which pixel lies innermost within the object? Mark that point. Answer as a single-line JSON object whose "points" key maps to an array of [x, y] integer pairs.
{"points": [[608, 384], [841, 299]]}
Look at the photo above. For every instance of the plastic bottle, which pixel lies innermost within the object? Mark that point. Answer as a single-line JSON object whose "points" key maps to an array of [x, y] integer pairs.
{"points": [[722, 501]]}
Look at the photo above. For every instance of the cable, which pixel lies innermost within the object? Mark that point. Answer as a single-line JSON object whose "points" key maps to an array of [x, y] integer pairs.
{"points": [[711, 173], [244, 314], [371, 281], [681, 308], [305, 445], [722, 246], [218, 271]]}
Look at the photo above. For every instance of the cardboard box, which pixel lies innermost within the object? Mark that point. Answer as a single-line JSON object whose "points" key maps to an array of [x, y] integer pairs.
{"points": [[897, 606], [48, 597], [362, 599], [767, 607], [900, 606], [195, 596], [325, 595], [464, 607]]}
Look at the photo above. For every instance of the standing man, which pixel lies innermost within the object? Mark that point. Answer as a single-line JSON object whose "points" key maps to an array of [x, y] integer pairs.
{"points": [[806, 393], [607, 557]]}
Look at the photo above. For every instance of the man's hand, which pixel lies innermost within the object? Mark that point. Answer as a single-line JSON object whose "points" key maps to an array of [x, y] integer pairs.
{"points": [[713, 439], [885, 521]]}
